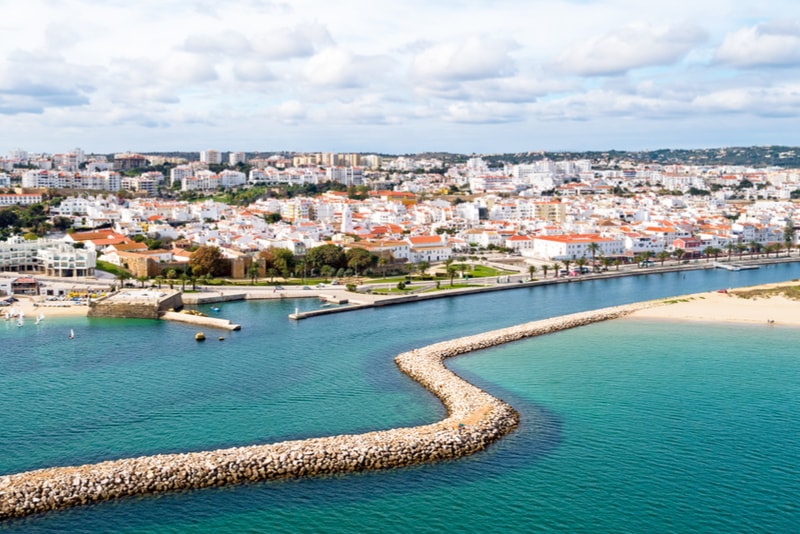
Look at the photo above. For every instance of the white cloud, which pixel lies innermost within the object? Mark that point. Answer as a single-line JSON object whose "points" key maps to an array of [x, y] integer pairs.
{"points": [[252, 71], [183, 68], [631, 47], [484, 112], [474, 58], [340, 68], [780, 101], [764, 45], [287, 43], [228, 42]]}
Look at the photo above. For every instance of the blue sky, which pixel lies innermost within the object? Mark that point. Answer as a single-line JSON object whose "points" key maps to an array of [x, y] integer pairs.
{"points": [[373, 76]]}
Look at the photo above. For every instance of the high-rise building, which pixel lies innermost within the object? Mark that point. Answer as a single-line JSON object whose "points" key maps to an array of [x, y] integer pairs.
{"points": [[211, 157], [236, 157]]}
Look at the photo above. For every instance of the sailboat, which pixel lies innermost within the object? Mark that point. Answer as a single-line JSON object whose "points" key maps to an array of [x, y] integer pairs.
{"points": [[20, 320], [39, 318], [71, 334]]}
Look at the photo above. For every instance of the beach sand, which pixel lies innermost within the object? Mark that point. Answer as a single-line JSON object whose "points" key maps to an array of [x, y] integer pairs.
{"points": [[48, 308], [728, 307]]}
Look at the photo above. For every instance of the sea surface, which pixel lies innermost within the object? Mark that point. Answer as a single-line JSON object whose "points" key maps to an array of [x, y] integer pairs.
{"points": [[627, 426]]}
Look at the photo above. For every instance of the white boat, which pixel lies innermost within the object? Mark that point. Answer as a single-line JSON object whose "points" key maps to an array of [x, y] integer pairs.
{"points": [[71, 334], [39, 318], [20, 321]]}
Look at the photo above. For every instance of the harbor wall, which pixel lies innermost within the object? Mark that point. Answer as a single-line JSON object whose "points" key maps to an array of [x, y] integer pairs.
{"points": [[475, 420], [121, 306]]}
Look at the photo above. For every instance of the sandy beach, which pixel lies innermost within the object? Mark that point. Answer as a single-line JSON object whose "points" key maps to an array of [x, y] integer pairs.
{"points": [[734, 305], [32, 307]]}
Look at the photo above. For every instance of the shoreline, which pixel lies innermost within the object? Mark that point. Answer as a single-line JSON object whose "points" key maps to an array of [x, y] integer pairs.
{"points": [[728, 306]]}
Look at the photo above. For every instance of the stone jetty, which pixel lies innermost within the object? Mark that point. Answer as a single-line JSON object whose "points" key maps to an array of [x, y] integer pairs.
{"points": [[475, 420]]}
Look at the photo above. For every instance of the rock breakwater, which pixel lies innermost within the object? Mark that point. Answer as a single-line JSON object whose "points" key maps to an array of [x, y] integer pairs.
{"points": [[475, 420]]}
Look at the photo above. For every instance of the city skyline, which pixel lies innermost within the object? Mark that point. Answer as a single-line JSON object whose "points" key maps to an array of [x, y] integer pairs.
{"points": [[465, 77]]}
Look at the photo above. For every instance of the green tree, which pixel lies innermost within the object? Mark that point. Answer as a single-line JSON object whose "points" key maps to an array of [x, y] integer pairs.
{"points": [[359, 259], [252, 272], [788, 235], [171, 274], [331, 255], [707, 252], [207, 259], [594, 248], [423, 266], [284, 261], [451, 272], [545, 268], [531, 271], [662, 256], [678, 253], [581, 264]]}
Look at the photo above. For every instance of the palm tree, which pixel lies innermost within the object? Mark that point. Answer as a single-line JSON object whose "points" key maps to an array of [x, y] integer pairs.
{"points": [[555, 268], [679, 253], [451, 272], [662, 256], [730, 247], [159, 281], [172, 274], [594, 248], [617, 263], [754, 246], [183, 278], [252, 272], [545, 268], [566, 264], [581, 263], [708, 251], [741, 247], [531, 271]]}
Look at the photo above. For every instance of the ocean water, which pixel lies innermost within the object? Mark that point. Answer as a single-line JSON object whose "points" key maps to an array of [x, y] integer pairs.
{"points": [[626, 426]]}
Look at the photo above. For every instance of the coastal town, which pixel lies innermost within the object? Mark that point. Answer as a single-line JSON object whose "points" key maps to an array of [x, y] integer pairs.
{"points": [[273, 217]]}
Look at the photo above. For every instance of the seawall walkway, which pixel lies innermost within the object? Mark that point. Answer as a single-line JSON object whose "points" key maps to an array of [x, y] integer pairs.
{"points": [[475, 420]]}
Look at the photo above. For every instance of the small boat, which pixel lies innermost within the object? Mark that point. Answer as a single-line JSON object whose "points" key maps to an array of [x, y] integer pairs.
{"points": [[215, 308], [200, 336], [39, 318], [20, 321], [71, 334]]}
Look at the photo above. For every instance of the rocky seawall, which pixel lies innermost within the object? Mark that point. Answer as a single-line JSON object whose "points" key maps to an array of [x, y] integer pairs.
{"points": [[475, 420]]}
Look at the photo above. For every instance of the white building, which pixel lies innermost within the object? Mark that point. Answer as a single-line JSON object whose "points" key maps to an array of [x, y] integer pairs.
{"points": [[211, 157]]}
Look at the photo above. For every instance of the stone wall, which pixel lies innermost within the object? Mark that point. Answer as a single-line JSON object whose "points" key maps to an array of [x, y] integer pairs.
{"points": [[119, 306], [475, 420]]}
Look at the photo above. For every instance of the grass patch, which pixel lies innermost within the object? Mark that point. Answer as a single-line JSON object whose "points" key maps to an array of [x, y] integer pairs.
{"points": [[111, 268], [790, 292]]}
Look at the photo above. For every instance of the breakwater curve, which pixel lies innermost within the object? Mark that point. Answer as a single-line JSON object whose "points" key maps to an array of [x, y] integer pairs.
{"points": [[475, 420]]}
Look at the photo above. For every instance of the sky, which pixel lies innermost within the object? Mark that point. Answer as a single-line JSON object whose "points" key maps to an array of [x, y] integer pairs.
{"points": [[397, 77]]}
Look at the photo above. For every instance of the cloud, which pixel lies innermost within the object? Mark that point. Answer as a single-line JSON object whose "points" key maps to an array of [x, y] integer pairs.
{"points": [[252, 71], [183, 68], [291, 111], [472, 59], [764, 45], [631, 47], [340, 68], [780, 101], [36, 100], [484, 113], [227, 43], [287, 43]]}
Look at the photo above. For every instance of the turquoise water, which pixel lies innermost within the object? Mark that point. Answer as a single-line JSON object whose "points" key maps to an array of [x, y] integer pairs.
{"points": [[627, 426]]}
